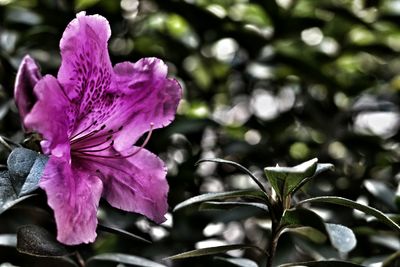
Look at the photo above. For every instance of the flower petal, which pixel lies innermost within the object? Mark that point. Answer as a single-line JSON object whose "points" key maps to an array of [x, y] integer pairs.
{"points": [[74, 196], [150, 98], [136, 184], [86, 70], [51, 116], [27, 77]]}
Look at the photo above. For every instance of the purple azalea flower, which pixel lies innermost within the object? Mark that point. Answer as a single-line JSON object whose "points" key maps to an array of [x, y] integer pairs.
{"points": [[90, 117]]}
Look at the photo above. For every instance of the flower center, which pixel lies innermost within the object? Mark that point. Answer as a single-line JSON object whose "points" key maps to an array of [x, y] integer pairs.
{"points": [[99, 143]]}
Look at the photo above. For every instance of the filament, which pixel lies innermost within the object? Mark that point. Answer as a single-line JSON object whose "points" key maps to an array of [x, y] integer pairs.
{"points": [[118, 155]]}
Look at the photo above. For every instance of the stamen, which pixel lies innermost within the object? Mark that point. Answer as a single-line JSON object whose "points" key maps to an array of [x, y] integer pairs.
{"points": [[119, 156], [88, 135], [84, 130], [94, 145], [97, 136], [83, 150]]}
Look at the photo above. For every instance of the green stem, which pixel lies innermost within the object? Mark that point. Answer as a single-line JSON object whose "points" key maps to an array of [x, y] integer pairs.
{"points": [[272, 244]]}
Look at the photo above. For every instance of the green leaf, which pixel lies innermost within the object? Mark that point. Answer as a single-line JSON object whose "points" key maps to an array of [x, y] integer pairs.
{"points": [[212, 251], [212, 205], [237, 165], [25, 170], [299, 217], [121, 232], [37, 241], [242, 262], [121, 258], [342, 238], [7, 192], [255, 194], [352, 204], [285, 179], [322, 264], [321, 167], [19, 163], [310, 233], [10, 203]]}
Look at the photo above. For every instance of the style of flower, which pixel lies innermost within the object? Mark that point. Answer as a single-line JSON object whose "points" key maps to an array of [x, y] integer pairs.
{"points": [[90, 117]]}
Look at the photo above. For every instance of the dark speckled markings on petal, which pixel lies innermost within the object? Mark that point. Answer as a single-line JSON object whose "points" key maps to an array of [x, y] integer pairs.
{"points": [[90, 118]]}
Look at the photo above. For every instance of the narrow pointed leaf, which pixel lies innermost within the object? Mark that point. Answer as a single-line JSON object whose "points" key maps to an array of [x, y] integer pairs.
{"points": [[121, 258], [254, 194], [286, 179], [241, 262], [352, 204], [121, 232], [322, 264], [212, 205], [237, 165], [212, 251]]}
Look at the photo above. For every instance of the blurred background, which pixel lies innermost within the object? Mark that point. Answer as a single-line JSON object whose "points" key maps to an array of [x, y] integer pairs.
{"points": [[265, 82]]}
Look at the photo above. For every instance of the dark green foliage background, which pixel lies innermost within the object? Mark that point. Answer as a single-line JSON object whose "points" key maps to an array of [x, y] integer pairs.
{"points": [[266, 57]]}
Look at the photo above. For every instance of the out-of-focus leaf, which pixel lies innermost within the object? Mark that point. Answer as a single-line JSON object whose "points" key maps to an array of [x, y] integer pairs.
{"points": [[37, 241], [255, 194], [322, 264], [346, 14], [212, 205], [212, 251], [381, 192], [8, 240], [8, 204], [309, 233], [121, 258], [25, 168], [237, 165], [391, 260], [242, 262], [352, 204], [84, 4], [286, 179], [342, 238], [121, 232]]}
